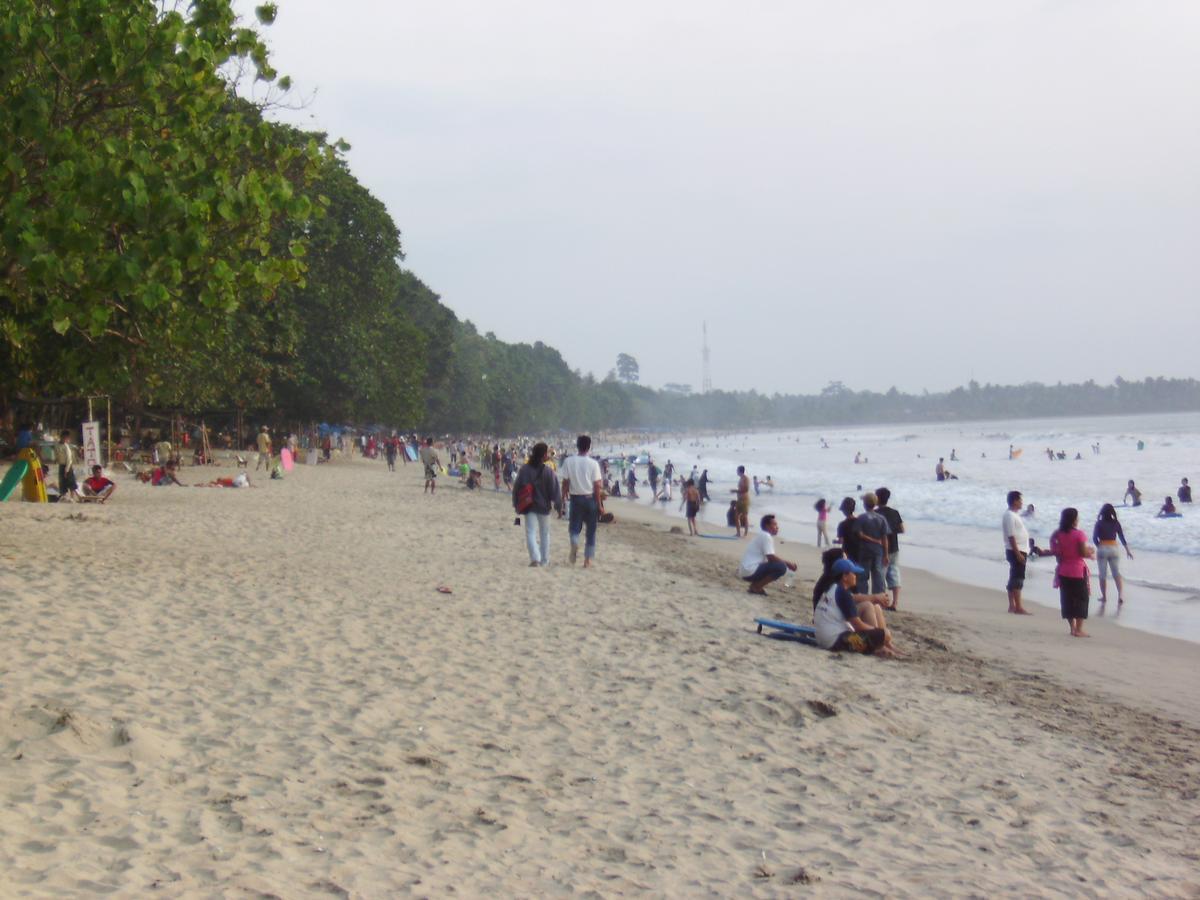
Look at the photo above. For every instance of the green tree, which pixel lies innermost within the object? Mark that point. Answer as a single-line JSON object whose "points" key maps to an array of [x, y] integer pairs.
{"points": [[139, 195], [627, 368]]}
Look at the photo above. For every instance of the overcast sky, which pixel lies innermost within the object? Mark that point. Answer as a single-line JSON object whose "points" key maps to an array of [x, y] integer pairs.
{"points": [[883, 193]]}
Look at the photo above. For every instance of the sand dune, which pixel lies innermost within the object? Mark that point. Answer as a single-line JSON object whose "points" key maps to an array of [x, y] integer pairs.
{"points": [[232, 692]]}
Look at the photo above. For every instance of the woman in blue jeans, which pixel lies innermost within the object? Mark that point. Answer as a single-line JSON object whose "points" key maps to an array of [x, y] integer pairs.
{"points": [[537, 486]]}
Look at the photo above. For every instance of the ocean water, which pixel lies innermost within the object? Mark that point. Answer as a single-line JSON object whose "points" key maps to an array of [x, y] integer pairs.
{"points": [[953, 527]]}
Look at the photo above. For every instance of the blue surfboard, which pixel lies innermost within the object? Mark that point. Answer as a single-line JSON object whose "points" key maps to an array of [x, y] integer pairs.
{"points": [[803, 633]]}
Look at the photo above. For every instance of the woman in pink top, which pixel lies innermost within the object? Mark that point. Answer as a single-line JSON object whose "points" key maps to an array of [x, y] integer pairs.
{"points": [[822, 522], [1069, 545]]}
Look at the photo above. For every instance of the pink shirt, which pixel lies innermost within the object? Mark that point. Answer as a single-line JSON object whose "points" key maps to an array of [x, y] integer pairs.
{"points": [[1069, 550]]}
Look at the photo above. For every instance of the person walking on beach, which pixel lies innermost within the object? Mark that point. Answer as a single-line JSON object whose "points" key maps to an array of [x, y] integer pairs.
{"points": [[535, 492], [702, 483], [1132, 493], [582, 485], [1069, 546], [743, 502], [822, 509], [1016, 545], [432, 462], [1105, 534], [891, 572], [760, 566], [389, 451], [652, 475]]}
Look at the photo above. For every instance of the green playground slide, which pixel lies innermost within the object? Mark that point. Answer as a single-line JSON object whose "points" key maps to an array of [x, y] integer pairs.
{"points": [[12, 479]]}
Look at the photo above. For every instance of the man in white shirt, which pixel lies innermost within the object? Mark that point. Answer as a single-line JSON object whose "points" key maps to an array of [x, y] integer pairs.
{"points": [[1016, 550], [581, 483], [760, 566]]}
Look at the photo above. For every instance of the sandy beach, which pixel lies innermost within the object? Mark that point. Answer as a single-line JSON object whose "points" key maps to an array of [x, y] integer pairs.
{"points": [[214, 693]]}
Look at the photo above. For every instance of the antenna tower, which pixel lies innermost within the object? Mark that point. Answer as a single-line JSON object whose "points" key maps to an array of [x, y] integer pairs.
{"points": [[706, 374]]}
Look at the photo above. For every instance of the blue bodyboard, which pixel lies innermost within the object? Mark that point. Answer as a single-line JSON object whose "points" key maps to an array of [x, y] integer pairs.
{"points": [[803, 633]]}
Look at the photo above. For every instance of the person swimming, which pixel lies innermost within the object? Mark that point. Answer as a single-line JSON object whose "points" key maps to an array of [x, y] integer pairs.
{"points": [[1168, 510]]}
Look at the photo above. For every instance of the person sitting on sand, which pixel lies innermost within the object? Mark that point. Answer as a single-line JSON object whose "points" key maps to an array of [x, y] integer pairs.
{"points": [[1168, 510], [760, 566], [837, 622], [97, 487], [870, 606], [165, 475]]}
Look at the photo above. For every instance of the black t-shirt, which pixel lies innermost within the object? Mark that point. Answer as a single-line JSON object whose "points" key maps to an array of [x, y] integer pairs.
{"points": [[847, 532], [894, 522]]}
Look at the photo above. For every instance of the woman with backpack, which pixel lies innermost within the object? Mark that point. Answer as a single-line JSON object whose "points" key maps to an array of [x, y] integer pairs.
{"points": [[535, 493]]}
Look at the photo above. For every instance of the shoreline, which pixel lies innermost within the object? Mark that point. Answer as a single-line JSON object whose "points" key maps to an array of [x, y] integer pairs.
{"points": [[263, 691], [1114, 661]]}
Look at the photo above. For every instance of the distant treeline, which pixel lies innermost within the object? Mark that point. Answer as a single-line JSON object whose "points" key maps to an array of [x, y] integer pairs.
{"points": [[163, 243], [839, 405]]}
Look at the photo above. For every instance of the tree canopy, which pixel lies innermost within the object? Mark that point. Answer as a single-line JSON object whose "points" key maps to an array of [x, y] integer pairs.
{"points": [[163, 241]]}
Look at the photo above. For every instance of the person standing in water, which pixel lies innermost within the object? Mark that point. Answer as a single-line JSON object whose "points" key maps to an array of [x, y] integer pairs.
{"points": [[1185, 492], [1105, 535], [1134, 493]]}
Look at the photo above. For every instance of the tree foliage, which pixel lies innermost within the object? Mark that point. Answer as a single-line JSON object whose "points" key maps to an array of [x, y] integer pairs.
{"points": [[161, 241], [139, 195], [627, 368]]}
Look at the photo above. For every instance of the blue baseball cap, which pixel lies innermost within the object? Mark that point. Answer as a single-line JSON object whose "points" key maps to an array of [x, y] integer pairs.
{"points": [[842, 566]]}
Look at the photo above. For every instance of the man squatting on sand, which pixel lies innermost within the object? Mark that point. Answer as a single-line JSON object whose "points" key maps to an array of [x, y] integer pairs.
{"points": [[760, 566]]}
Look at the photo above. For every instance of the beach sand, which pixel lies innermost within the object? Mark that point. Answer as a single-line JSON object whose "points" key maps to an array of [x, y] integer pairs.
{"points": [[261, 692]]}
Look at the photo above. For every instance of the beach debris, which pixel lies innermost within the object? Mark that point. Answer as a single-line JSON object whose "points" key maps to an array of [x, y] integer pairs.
{"points": [[822, 709], [803, 876], [442, 589], [763, 871]]}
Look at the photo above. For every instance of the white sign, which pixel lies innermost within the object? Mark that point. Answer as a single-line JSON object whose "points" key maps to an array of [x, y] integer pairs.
{"points": [[91, 444]]}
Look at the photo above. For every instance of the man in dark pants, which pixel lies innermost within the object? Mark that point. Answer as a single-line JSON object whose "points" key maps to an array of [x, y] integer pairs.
{"points": [[1016, 543], [760, 566], [581, 481]]}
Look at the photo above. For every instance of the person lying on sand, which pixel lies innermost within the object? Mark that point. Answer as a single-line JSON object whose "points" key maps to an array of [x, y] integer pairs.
{"points": [[838, 624], [238, 481]]}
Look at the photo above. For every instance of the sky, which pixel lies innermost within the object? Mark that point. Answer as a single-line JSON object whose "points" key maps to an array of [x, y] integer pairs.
{"points": [[885, 194]]}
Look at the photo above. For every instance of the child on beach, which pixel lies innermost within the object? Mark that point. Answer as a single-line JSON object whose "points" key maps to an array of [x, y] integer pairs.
{"points": [[822, 509]]}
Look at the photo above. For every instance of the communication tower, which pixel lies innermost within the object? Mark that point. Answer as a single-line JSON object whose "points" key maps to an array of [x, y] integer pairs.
{"points": [[705, 375]]}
